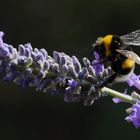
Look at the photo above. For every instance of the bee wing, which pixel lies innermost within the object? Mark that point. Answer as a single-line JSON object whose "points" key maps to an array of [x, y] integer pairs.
{"points": [[132, 38], [131, 55]]}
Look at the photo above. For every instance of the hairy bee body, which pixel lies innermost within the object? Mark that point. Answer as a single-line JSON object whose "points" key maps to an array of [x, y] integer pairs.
{"points": [[114, 50], [123, 68]]}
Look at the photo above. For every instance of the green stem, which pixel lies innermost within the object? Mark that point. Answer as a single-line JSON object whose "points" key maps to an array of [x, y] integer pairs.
{"points": [[124, 97]]}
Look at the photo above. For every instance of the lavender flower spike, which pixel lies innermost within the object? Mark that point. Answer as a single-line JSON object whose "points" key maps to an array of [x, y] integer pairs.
{"points": [[60, 74]]}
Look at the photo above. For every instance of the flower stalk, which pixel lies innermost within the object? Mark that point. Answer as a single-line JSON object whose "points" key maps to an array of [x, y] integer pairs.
{"points": [[123, 97]]}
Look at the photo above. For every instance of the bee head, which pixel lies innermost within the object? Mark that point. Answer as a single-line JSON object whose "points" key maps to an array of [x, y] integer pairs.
{"points": [[116, 42], [107, 45], [98, 47]]}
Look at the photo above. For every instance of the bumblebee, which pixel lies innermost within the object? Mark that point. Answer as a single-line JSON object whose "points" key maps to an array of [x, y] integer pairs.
{"points": [[116, 51]]}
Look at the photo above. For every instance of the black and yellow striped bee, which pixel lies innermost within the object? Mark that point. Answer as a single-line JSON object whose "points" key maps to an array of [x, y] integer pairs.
{"points": [[116, 51]]}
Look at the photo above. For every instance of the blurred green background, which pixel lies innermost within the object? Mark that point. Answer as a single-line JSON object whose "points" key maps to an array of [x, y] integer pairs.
{"points": [[70, 26]]}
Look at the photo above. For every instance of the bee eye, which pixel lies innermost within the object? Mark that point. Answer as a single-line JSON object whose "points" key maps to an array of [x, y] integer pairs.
{"points": [[119, 43], [116, 41]]}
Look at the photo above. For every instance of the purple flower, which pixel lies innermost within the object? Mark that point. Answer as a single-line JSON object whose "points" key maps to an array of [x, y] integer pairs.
{"points": [[83, 73], [96, 55], [72, 83], [98, 67], [134, 80], [134, 115]]}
